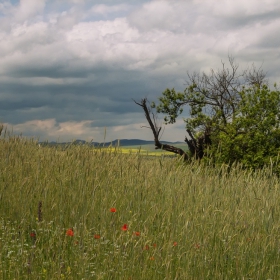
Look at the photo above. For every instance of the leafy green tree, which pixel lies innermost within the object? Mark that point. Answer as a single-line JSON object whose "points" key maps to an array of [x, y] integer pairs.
{"points": [[233, 116], [253, 135]]}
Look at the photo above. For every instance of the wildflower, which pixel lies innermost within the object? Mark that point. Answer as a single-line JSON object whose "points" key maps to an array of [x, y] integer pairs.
{"points": [[154, 245], [175, 244], [124, 227], [113, 210], [146, 247], [197, 246], [70, 232], [137, 233], [152, 258], [96, 236], [33, 236]]}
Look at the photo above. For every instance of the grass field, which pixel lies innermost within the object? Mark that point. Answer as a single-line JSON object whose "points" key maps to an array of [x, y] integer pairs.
{"points": [[85, 213]]}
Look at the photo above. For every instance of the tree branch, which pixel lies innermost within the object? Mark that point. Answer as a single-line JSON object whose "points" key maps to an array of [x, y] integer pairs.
{"points": [[156, 130]]}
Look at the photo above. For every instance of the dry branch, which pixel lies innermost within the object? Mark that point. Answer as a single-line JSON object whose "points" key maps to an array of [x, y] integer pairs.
{"points": [[156, 130]]}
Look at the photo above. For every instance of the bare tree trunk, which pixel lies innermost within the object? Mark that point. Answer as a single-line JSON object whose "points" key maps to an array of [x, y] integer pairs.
{"points": [[1, 128], [197, 146], [156, 130]]}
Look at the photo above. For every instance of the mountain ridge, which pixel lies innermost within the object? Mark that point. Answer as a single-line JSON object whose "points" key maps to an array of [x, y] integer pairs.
{"points": [[116, 142]]}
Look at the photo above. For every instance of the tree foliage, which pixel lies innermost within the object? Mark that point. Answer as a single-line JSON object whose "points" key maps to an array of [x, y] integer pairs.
{"points": [[253, 135], [233, 116]]}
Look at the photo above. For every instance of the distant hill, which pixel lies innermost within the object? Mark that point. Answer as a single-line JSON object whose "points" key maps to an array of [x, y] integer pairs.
{"points": [[133, 142], [121, 142]]}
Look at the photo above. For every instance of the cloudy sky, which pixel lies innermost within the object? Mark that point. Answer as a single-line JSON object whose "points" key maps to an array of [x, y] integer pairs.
{"points": [[69, 69]]}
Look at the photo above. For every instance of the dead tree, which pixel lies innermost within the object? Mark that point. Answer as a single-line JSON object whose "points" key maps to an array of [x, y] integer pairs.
{"points": [[1, 128], [156, 131]]}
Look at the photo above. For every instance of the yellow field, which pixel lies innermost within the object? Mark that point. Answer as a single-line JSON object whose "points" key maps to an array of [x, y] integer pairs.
{"points": [[141, 151]]}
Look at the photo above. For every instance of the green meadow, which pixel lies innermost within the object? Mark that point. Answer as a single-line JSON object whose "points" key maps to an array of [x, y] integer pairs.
{"points": [[91, 213]]}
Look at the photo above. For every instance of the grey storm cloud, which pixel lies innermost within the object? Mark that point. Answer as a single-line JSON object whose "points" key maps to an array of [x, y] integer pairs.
{"points": [[71, 69]]}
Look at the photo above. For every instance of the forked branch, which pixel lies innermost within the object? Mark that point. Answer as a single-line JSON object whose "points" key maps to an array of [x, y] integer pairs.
{"points": [[156, 130]]}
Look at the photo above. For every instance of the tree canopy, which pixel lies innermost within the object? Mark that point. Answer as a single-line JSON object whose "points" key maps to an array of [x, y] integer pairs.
{"points": [[234, 116]]}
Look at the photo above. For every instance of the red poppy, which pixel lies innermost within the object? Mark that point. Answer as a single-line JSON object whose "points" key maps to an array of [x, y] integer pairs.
{"points": [[33, 234], [96, 236], [155, 245], [124, 227], [175, 243], [113, 210], [70, 232], [146, 247], [137, 233]]}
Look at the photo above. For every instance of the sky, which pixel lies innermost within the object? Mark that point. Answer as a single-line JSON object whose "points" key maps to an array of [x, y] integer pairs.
{"points": [[71, 69]]}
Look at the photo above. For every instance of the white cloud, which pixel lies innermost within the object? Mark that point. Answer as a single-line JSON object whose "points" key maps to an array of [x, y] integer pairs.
{"points": [[164, 15], [78, 1], [29, 8], [162, 36], [105, 10], [238, 8], [5, 7], [54, 130]]}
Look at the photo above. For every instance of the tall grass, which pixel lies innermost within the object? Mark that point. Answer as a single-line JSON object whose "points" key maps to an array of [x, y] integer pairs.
{"points": [[184, 221]]}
